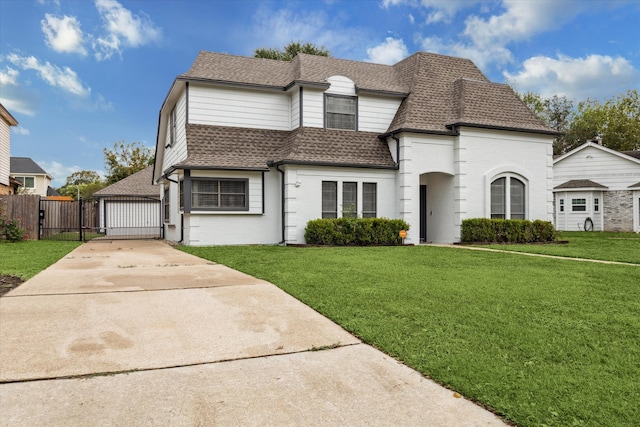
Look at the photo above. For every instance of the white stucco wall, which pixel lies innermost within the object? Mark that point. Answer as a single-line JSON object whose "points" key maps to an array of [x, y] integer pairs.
{"points": [[465, 166], [303, 191]]}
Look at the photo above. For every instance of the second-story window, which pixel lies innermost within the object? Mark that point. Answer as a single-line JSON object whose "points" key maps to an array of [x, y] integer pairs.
{"points": [[340, 112]]}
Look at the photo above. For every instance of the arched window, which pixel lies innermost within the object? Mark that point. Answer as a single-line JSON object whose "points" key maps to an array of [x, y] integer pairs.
{"points": [[508, 198]]}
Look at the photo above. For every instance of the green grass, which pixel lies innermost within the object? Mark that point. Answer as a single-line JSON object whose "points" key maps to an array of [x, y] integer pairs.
{"points": [[540, 341], [621, 247], [26, 259]]}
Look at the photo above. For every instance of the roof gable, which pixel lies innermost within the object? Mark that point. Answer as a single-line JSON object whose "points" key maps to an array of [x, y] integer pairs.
{"points": [[596, 146], [138, 184]]}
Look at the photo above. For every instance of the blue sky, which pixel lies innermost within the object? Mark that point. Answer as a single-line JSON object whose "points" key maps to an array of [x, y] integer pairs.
{"points": [[80, 75]]}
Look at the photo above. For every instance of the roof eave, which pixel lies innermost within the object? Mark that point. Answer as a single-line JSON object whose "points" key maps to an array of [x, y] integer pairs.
{"points": [[506, 128], [414, 130], [333, 164]]}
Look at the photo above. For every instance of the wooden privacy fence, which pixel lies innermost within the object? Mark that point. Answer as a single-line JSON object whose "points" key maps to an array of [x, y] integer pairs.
{"points": [[45, 219], [25, 207]]}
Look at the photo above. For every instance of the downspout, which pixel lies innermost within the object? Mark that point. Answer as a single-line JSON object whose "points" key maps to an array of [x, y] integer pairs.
{"points": [[282, 204]]}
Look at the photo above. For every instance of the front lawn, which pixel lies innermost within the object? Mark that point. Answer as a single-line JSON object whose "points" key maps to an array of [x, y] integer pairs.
{"points": [[26, 259], [621, 247], [540, 341]]}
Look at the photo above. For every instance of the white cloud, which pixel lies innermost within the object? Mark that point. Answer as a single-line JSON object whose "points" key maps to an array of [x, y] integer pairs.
{"points": [[17, 104], [63, 34], [124, 29], [58, 171], [481, 57], [389, 52], [595, 76], [20, 130], [9, 76], [64, 78]]}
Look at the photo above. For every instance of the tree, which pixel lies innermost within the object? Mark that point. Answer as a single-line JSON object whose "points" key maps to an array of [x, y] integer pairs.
{"points": [[617, 122], [126, 159], [83, 183], [556, 112], [290, 51]]}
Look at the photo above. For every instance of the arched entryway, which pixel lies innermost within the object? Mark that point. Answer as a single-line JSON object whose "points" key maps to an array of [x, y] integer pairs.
{"points": [[437, 201]]}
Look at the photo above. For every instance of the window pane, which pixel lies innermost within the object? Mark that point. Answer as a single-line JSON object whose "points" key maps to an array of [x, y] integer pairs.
{"points": [[232, 187], [200, 186], [341, 105], [232, 200], [341, 121], [498, 195], [578, 205], [369, 200], [350, 199], [517, 198], [199, 200], [329, 199], [340, 112]]}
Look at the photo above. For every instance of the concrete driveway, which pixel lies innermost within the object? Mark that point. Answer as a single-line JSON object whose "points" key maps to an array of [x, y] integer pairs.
{"points": [[137, 333]]}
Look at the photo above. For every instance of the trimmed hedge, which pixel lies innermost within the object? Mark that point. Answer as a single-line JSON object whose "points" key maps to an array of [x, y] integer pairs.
{"points": [[354, 231], [484, 230]]}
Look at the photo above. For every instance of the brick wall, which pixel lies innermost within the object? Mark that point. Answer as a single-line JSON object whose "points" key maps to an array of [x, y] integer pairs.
{"points": [[618, 210]]}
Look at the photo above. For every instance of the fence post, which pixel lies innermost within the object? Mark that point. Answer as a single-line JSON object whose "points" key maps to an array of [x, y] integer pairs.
{"points": [[80, 219], [40, 218]]}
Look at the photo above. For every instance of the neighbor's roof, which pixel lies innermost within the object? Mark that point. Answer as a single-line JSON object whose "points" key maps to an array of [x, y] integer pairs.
{"points": [[439, 91], [6, 115], [636, 185], [138, 184], [579, 183], [222, 147], [633, 153], [25, 165]]}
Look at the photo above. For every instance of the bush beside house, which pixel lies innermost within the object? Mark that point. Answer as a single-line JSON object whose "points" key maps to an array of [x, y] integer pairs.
{"points": [[486, 230], [355, 231]]}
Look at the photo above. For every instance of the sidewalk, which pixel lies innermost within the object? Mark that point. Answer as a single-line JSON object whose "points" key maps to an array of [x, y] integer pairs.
{"points": [[137, 333]]}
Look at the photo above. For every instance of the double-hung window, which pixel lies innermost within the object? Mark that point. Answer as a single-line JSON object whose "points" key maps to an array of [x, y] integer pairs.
{"points": [[369, 200], [508, 198], [329, 199], [578, 205], [219, 194], [341, 112]]}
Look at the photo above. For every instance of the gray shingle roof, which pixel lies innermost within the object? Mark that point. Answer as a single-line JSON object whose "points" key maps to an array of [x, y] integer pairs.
{"points": [[222, 147], [138, 184], [636, 185], [442, 90], [634, 153], [22, 165], [579, 183]]}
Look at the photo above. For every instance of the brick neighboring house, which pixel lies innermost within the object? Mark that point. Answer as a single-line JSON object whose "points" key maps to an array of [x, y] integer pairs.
{"points": [[8, 185], [597, 187], [249, 149]]}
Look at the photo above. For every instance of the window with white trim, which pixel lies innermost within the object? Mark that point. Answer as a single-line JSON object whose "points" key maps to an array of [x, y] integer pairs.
{"points": [[219, 194], [561, 205], [508, 198], [369, 199], [27, 181], [329, 199], [578, 205], [341, 112], [596, 205]]}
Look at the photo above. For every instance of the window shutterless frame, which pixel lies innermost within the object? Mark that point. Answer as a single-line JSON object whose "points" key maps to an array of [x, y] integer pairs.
{"points": [[219, 194], [340, 112]]}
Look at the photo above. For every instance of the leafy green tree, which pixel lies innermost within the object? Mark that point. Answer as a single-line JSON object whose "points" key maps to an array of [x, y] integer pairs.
{"points": [[616, 121], [126, 159], [290, 51], [83, 183], [556, 112]]}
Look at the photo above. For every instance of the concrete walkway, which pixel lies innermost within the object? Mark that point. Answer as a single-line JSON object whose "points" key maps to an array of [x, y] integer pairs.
{"points": [[137, 333]]}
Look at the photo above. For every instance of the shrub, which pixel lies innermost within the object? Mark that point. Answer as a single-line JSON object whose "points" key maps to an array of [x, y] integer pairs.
{"points": [[506, 231], [354, 231], [12, 229]]}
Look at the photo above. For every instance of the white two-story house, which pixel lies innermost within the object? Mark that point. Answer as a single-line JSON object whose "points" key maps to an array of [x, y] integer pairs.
{"points": [[249, 150]]}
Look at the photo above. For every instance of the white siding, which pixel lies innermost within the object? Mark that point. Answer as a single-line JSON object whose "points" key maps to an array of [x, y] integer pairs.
{"points": [[303, 192], [295, 108], [341, 85], [376, 113], [313, 108], [575, 221], [222, 106], [178, 151], [5, 144], [599, 166]]}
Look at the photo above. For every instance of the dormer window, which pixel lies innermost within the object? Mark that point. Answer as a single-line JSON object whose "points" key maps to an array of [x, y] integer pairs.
{"points": [[341, 112]]}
